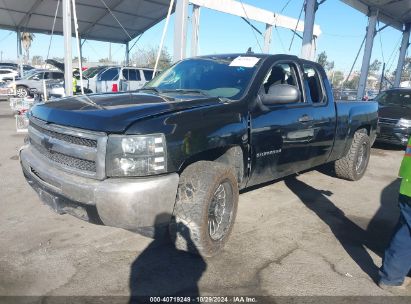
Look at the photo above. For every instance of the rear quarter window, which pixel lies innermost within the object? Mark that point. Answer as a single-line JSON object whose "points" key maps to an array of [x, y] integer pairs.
{"points": [[314, 87]]}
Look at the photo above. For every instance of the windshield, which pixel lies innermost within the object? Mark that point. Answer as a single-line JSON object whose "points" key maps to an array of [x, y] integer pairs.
{"points": [[91, 72], [218, 77], [397, 98], [30, 73]]}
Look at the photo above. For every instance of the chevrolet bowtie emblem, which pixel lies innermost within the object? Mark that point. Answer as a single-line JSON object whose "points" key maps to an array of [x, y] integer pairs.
{"points": [[45, 142]]}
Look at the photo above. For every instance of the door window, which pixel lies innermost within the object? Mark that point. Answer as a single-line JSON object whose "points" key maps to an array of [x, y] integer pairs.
{"points": [[110, 74], [314, 91], [281, 73], [37, 76], [131, 74]]}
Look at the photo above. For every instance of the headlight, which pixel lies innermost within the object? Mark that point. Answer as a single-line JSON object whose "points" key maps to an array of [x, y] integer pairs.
{"points": [[136, 155], [404, 123]]}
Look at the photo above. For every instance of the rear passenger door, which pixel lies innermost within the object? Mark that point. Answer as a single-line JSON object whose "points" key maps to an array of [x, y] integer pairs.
{"points": [[318, 94], [280, 133]]}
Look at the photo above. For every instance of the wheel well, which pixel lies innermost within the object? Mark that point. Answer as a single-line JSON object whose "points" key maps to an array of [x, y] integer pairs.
{"points": [[365, 128], [231, 156]]}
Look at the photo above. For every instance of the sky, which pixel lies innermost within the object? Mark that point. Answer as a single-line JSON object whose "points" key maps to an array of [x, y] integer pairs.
{"points": [[343, 29]]}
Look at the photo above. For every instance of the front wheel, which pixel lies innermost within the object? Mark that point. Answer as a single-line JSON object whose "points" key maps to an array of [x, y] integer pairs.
{"points": [[205, 208], [353, 165], [22, 92]]}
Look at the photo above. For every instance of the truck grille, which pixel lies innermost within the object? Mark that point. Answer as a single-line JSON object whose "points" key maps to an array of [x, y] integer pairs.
{"points": [[66, 160], [388, 137], [68, 138], [73, 150], [387, 121]]}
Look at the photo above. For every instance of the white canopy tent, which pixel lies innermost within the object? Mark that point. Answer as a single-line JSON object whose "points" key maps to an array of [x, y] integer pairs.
{"points": [[95, 17], [118, 21]]}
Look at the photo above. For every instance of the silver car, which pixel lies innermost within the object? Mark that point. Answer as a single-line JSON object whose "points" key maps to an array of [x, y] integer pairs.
{"points": [[34, 80]]}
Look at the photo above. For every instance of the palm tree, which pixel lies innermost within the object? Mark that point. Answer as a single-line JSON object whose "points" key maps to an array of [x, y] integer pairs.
{"points": [[26, 40]]}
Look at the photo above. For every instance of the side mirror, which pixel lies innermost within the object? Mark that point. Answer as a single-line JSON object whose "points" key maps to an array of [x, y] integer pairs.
{"points": [[281, 94]]}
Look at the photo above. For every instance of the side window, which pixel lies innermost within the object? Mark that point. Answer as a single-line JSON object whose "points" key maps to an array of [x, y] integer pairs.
{"points": [[281, 73], [131, 74], [148, 75], [313, 85], [109, 75], [37, 76]]}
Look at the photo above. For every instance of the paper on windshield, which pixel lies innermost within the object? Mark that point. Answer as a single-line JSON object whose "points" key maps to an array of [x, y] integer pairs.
{"points": [[246, 62]]}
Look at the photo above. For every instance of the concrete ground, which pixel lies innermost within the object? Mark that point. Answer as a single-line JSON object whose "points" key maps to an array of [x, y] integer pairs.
{"points": [[312, 234]]}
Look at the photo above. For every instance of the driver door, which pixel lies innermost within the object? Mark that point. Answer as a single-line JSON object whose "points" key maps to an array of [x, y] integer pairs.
{"points": [[280, 133]]}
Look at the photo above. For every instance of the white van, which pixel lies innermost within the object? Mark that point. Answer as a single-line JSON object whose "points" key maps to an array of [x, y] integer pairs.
{"points": [[114, 79]]}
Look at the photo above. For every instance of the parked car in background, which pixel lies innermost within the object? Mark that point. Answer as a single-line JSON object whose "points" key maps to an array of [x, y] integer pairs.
{"points": [[394, 116], [114, 79], [371, 94], [7, 74], [349, 95], [91, 75], [34, 80], [15, 65]]}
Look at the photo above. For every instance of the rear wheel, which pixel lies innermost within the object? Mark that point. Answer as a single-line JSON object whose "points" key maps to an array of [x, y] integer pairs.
{"points": [[205, 208], [353, 165], [22, 92]]}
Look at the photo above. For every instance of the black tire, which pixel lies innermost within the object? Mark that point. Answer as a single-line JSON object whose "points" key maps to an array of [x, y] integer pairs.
{"points": [[354, 164], [22, 92], [194, 228]]}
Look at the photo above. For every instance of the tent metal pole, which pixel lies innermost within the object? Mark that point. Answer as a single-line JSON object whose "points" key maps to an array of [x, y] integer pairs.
{"points": [[127, 54], [68, 68], [195, 28], [310, 8], [81, 49], [401, 59], [369, 41], [180, 30], [19, 52], [267, 38]]}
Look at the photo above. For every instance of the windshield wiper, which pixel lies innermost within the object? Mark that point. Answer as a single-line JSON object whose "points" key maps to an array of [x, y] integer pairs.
{"points": [[188, 91]]}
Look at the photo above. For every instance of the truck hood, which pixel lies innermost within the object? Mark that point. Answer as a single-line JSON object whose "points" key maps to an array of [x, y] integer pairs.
{"points": [[394, 112], [113, 113]]}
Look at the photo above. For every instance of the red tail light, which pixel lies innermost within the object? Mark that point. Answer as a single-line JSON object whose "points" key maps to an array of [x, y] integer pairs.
{"points": [[114, 87]]}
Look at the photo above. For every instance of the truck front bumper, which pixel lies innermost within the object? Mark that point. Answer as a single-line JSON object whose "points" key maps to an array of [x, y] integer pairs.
{"points": [[136, 204]]}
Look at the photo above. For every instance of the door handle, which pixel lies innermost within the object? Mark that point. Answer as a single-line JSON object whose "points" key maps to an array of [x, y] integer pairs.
{"points": [[305, 118]]}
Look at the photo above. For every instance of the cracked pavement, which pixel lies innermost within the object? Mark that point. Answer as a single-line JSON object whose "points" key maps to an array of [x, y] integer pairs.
{"points": [[311, 234]]}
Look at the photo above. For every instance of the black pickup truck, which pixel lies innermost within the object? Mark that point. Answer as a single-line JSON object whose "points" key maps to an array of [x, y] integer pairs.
{"points": [[175, 153]]}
